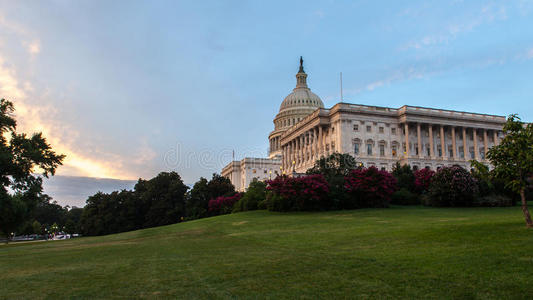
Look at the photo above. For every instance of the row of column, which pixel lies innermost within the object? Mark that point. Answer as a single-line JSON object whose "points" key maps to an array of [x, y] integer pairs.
{"points": [[274, 143], [443, 144], [307, 147]]}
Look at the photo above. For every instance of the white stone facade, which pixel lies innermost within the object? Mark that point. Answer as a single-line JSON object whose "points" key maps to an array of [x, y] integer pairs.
{"points": [[377, 136], [243, 172], [305, 131]]}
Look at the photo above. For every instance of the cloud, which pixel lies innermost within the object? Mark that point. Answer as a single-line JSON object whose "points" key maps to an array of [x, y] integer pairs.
{"points": [[529, 53], [487, 14], [33, 47], [36, 112]]}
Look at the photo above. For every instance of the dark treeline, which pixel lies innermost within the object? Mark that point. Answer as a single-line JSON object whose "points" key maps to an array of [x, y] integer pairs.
{"points": [[162, 200]]}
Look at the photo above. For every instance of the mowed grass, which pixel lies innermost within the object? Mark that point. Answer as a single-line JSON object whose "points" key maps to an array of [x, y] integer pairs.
{"points": [[402, 252]]}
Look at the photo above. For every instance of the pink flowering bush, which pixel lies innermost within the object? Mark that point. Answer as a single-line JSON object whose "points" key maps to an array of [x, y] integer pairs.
{"points": [[423, 179], [369, 187], [296, 194], [223, 204], [452, 186]]}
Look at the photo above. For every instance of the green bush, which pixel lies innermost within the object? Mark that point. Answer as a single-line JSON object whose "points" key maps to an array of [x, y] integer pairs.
{"points": [[405, 177], [255, 194], [405, 197], [452, 186]]}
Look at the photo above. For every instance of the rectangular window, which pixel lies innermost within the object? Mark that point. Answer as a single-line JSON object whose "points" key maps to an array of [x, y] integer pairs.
{"points": [[427, 150], [416, 149], [382, 150], [368, 128], [356, 127], [394, 151], [450, 151], [462, 152], [369, 149], [393, 130], [381, 130], [356, 149], [440, 151]]}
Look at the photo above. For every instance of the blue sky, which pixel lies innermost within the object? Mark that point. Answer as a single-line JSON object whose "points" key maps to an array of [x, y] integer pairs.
{"points": [[130, 88]]}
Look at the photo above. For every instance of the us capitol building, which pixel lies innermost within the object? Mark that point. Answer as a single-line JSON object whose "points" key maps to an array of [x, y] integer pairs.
{"points": [[304, 131]]}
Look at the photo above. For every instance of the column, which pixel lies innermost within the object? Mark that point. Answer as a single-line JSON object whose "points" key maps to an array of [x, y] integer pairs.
{"points": [[476, 150], [442, 148], [419, 140], [465, 149], [317, 153], [495, 133], [320, 142], [485, 142], [454, 150], [406, 140], [431, 143]]}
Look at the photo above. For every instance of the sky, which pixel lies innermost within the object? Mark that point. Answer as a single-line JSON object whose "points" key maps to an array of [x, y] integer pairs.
{"points": [[128, 89]]}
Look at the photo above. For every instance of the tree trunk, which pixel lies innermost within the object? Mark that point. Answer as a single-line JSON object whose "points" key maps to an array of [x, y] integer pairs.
{"points": [[529, 223]]}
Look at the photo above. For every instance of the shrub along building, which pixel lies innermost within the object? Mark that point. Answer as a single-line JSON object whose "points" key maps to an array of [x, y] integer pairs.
{"points": [[376, 136]]}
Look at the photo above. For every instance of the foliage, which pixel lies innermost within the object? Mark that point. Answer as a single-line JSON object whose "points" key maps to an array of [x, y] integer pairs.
{"points": [[336, 164], [404, 197], [223, 204], [304, 193], [423, 179], [20, 158], [452, 186], [155, 202], [405, 177], [203, 191], [198, 199], [254, 195], [482, 175], [369, 187], [513, 159], [334, 168], [162, 199]]}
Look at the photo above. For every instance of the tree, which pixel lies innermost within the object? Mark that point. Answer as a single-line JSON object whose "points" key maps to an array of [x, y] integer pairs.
{"points": [[404, 176], [513, 159], [335, 168], [164, 198], [255, 194], [20, 157], [198, 199]]}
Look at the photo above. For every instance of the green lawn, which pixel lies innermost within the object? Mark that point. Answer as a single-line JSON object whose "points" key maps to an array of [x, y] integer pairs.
{"points": [[373, 253]]}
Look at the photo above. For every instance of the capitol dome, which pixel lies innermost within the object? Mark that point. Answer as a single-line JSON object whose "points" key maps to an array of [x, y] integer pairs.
{"points": [[298, 104], [295, 107]]}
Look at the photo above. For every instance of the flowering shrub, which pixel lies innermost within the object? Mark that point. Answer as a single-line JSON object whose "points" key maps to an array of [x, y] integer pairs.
{"points": [[452, 186], [423, 179], [223, 205], [302, 193], [369, 187]]}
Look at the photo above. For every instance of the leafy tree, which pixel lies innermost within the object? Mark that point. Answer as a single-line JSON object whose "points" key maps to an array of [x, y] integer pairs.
{"points": [[220, 186], [452, 186], [198, 199], [513, 159], [203, 191], [163, 197], [255, 193], [37, 227], [20, 157], [336, 164], [405, 177], [335, 168]]}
